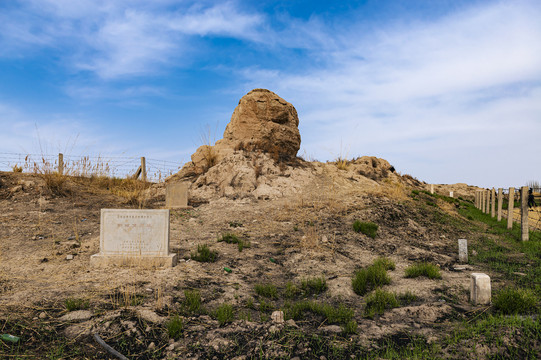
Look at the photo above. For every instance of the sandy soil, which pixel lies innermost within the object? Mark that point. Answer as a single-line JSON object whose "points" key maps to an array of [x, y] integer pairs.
{"points": [[291, 238]]}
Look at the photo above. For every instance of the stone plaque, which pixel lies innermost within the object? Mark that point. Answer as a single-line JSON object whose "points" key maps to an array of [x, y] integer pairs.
{"points": [[176, 196], [136, 237]]}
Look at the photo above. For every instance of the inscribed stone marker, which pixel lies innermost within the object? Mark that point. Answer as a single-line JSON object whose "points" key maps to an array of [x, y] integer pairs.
{"points": [[176, 196], [463, 251], [450, 194], [134, 237], [480, 291]]}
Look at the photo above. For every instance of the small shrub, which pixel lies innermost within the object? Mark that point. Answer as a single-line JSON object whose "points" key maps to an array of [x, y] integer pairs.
{"points": [[339, 315], [407, 298], [314, 286], [265, 306], [266, 290], [192, 301], [431, 271], [175, 327], [245, 315], [515, 301], [230, 238], [235, 224], [350, 327], [204, 254], [378, 301], [368, 228], [224, 313], [291, 290], [415, 192], [76, 304], [370, 278], [17, 169], [386, 263], [250, 303]]}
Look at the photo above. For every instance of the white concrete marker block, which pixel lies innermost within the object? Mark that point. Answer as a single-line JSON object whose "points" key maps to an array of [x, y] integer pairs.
{"points": [[480, 291], [134, 237], [463, 251], [450, 194], [176, 196], [277, 317], [432, 188]]}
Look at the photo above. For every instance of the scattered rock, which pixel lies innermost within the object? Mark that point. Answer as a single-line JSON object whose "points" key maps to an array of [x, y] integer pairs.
{"points": [[78, 330], [331, 329], [42, 315], [292, 323], [77, 315], [150, 316], [69, 257]]}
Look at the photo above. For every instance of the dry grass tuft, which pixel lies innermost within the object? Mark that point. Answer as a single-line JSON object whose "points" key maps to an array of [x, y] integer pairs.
{"points": [[342, 163], [392, 190]]}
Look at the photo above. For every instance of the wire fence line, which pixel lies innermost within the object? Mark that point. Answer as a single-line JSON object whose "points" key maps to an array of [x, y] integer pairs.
{"points": [[80, 165]]}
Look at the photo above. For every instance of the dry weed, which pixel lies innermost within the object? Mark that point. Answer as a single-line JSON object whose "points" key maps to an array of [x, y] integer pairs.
{"points": [[390, 189], [125, 296]]}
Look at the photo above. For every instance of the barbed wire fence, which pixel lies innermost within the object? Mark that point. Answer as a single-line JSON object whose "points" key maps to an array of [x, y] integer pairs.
{"points": [[80, 165]]}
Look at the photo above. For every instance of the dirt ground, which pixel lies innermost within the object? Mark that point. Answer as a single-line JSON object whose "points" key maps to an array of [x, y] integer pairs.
{"points": [[46, 242]]}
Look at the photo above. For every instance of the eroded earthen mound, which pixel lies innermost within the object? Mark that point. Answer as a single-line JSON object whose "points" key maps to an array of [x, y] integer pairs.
{"points": [[257, 157], [262, 121]]}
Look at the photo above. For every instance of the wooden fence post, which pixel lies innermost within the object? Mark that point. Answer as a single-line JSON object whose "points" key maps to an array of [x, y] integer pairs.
{"points": [[524, 213], [60, 164], [143, 169]]}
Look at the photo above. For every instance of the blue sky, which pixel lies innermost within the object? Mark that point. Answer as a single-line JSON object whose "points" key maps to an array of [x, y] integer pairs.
{"points": [[447, 91]]}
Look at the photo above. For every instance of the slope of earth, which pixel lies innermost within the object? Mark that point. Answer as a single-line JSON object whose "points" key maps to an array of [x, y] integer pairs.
{"points": [[300, 254]]}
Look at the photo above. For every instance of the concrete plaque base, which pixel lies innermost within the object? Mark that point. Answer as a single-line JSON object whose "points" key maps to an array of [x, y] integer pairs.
{"points": [[100, 260]]}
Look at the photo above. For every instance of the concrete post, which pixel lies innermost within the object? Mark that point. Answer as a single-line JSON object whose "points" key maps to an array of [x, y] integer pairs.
{"points": [[500, 201], [476, 198], [450, 194], [143, 169], [463, 251], [487, 205], [493, 202], [483, 200], [61, 164], [432, 188], [524, 213], [510, 208], [480, 290]]}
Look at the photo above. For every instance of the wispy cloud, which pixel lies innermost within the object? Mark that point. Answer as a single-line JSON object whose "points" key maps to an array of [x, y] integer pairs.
{"points": [[438, 91], [121, 38]]}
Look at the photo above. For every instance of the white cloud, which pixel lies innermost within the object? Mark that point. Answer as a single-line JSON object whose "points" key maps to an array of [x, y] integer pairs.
{"points": [[121, 38], [457, 92]]}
